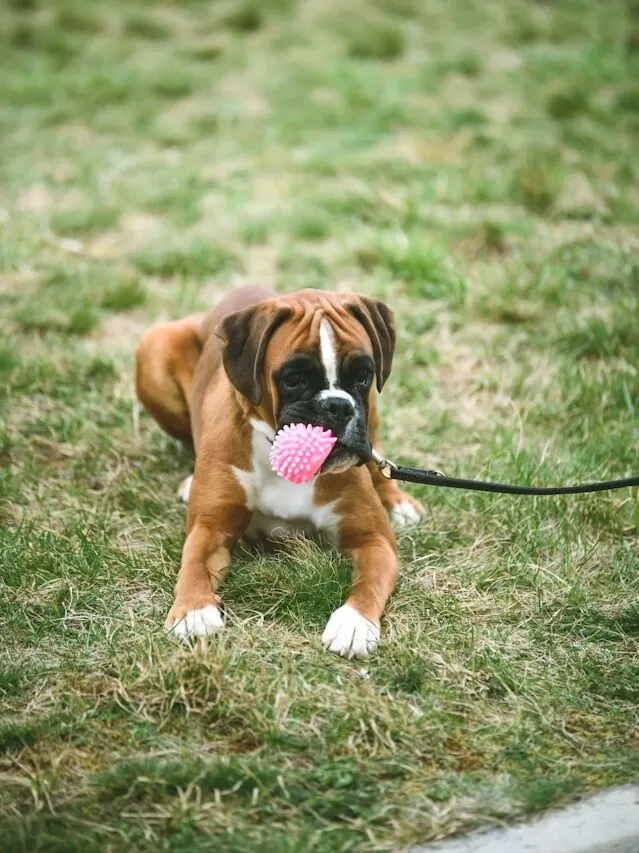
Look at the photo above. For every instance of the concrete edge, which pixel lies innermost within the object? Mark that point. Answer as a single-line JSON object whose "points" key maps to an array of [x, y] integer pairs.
{"points": [[604, 823]]}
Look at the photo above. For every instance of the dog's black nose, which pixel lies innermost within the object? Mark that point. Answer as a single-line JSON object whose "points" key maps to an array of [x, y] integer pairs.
{"points": [[338, 408]]}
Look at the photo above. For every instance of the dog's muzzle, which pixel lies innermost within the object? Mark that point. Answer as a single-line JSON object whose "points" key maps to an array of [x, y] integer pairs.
{"points": [[341, 415]]}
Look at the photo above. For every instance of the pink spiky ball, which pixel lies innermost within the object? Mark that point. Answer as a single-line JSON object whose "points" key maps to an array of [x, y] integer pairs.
{"points": [[300, 450]]}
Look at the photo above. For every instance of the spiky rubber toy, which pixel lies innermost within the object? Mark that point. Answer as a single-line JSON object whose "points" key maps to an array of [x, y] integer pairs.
{"points": [[300, 450]]}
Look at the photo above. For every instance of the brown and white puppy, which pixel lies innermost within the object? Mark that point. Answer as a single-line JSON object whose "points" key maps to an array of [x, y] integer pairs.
{"points": [[229, 380]]}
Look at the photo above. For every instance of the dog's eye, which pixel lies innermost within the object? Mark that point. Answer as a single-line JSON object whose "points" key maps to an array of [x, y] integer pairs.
{"points": [[293, 380], [364, 376]]}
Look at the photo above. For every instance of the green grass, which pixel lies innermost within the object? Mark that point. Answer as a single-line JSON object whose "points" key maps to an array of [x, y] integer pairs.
{"points": [[476, 166], [203, 257], [539, 178], [78, 221], [245, 17], [374, 40], [124, 295]]}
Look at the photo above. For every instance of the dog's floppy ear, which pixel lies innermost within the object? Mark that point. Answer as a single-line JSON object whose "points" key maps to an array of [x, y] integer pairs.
{"points": [[377, 318], [245, 335]]}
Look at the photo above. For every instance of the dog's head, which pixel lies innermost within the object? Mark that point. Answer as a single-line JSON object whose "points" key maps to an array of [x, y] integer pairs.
{"points": [[313, 357]]}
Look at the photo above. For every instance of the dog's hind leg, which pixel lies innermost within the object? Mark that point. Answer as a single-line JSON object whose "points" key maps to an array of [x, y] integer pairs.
{"points": [[404, 509], [166, 359]]}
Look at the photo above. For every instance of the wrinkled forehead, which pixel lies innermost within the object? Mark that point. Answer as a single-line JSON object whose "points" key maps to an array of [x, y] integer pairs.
{"points": [[328, 337]]}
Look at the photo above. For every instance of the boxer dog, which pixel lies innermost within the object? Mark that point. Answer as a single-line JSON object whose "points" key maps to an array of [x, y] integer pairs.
{"points": [[228, 381]]}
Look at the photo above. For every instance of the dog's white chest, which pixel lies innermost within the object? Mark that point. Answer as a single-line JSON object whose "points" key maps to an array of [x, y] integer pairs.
{"points": [[279, 507]]}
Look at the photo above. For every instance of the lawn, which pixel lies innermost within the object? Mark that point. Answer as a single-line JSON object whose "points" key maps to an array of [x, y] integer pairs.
{"points": [[473, 163]]}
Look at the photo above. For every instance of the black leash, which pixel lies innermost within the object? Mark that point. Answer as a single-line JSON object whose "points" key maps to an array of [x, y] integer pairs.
{"points": [[426, 477]]}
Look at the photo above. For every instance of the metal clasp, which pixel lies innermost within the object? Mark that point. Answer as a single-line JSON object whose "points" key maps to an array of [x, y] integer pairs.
{"points": [[384, 465]]}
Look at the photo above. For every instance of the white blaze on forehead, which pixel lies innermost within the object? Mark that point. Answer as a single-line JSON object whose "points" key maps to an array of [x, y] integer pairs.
{"points": [[328, 353], [328, 356]]}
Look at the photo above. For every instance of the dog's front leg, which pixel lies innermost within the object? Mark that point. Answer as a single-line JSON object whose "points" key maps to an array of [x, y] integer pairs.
{"points": [[354, 628], [214, 527], [205, 560]]}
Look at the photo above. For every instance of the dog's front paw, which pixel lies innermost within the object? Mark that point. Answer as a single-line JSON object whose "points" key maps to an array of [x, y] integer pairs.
{"points": [[198, 622], [406, 513], [350, 634]]}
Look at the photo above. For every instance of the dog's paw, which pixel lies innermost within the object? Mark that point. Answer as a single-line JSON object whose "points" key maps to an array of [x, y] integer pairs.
{"points": [[189, 625], [184, 489], [406, 513], [350, 634]]}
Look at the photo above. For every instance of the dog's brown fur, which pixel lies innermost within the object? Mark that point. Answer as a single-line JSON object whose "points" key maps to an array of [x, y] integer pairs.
{"points": [[181, 380]]}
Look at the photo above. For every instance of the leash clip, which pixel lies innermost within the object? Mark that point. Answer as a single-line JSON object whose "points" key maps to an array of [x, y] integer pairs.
{"points": [[384, 465]]}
